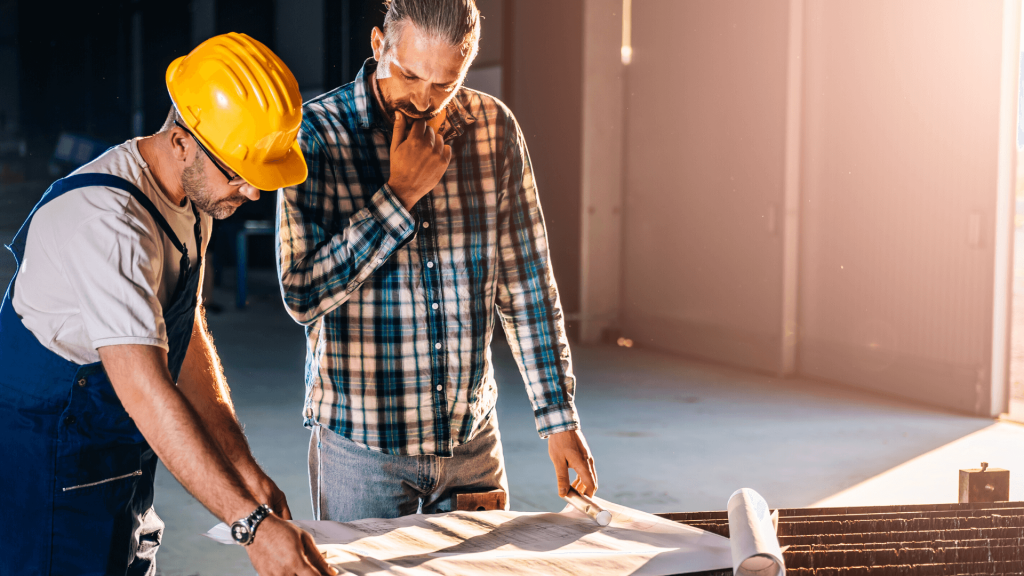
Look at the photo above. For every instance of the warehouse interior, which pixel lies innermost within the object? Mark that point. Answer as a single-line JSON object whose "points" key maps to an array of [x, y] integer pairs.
{"points": [[786, 234]]}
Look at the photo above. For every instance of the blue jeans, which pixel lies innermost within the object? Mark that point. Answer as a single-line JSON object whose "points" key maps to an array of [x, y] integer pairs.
{"points": [[349, 482]]}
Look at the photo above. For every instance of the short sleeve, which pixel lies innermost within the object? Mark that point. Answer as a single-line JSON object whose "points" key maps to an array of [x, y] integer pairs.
{"points": [[114, 268]]}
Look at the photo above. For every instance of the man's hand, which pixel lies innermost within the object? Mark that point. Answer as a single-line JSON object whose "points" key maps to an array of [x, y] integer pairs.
{"points": [[569, 450], [419, 158], [283, 549]]}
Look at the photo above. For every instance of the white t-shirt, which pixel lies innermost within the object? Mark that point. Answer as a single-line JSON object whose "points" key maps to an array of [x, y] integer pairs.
{"points": [[98, 270]]}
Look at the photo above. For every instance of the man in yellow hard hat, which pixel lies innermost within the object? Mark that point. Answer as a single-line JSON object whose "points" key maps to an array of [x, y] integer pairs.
{"points": [[106, 363]]}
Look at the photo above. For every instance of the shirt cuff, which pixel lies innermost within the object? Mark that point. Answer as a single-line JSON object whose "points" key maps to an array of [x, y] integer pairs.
{"points": [[387, 209], [556, 418], [130, 340]]}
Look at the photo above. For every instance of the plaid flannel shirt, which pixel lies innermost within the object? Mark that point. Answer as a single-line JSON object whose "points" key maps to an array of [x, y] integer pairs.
{"points": [[399, 306]]}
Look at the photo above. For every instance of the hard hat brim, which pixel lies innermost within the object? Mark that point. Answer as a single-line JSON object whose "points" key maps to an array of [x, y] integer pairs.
{"points": [[288, 171]]}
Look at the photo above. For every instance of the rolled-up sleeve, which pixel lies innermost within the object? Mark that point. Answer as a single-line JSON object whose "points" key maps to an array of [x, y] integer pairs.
{"points": [[320, 263]]}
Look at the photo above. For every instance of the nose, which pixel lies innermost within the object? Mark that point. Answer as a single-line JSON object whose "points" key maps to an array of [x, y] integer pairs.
{"points": [[421, 99], [249, 191]]}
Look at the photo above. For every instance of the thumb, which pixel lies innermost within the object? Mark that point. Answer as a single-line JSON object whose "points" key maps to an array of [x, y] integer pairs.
{"points": [[401, 130]]}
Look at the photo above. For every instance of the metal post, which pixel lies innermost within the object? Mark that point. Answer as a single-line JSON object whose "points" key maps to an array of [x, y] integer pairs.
{"points": [[791, 191], [241, 266], [138, 114]]}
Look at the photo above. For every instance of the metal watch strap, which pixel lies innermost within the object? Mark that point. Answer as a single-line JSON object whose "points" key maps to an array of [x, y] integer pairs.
{"points": [[252, 521]]}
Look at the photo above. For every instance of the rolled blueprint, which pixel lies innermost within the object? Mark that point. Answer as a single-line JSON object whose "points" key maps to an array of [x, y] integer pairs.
{"points": [[755, 547], [587, 506]]}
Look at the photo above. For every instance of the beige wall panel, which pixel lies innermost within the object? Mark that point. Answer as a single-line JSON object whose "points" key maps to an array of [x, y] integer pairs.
{"points": [[601, 181], [900, 136], [705, 148]]}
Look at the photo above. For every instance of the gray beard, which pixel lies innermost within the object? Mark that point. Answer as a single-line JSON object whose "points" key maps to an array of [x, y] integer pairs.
{"points": [[193, 182]]}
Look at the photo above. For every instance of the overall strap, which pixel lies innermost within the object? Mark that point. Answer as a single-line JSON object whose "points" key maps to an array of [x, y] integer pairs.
{"points": [[69, 183], [111, 181]]}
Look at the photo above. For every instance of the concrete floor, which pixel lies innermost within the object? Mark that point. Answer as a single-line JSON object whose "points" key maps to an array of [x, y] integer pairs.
{"points": [[668, 435]]}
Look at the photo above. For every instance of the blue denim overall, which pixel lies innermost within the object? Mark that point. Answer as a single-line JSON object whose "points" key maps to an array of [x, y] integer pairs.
{"points": [[76, 475]]}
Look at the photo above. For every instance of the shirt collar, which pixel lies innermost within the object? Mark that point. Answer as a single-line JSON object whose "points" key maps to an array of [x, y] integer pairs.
{"points": [[370, 115]]}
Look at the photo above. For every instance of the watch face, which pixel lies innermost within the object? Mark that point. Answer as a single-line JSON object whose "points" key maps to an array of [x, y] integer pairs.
{"points": [[240, 532]]}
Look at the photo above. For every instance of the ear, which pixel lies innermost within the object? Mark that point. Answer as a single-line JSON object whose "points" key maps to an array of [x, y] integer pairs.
{"points": [[377, 43], [181, 144]]}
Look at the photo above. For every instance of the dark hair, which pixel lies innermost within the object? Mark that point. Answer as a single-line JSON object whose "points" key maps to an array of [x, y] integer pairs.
{"points": [[456, 22]]}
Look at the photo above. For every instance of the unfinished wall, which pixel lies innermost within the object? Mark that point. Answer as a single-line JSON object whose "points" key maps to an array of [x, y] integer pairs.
{"points": [[601, 178], [545, 93], [705, 138], [900, 153]]}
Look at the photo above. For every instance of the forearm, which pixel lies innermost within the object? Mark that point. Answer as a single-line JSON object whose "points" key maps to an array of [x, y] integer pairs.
{"points": [[203, 383], [175, 431], [319, 272]]}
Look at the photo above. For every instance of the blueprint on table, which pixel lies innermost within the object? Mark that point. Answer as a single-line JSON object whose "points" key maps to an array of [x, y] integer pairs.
{"points": [[499, 543]]}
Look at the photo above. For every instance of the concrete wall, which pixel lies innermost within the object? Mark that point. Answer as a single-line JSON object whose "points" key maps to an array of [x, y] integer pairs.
{"points": [[601, 179], [486, 73], [704, 140], [900, 164], [545, 94]]}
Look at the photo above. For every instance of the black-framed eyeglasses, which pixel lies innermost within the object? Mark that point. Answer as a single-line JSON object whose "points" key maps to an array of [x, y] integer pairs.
{"points": [[235, 180]]}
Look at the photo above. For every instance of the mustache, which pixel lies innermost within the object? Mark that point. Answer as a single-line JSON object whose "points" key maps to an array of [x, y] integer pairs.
{"points": [[234, 200], [411, 112]]}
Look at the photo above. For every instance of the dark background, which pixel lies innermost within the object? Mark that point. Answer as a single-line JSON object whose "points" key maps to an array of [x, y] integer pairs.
{"points": [[73, 68]]}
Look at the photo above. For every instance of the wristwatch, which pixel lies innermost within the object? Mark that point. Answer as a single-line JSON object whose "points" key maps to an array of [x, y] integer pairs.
{"points": [[244, 530]]}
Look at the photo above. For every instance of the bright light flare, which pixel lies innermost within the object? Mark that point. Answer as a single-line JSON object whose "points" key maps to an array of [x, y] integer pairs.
{"points": [[627, 28]]}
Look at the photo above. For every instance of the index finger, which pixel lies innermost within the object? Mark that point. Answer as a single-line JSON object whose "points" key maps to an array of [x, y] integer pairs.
{"points": [[418, 128], [314, 557], [562, 475], [585, 472]]}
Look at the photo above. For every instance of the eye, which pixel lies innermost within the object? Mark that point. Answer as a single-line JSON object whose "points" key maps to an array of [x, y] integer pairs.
{"points": [[409, 78]]}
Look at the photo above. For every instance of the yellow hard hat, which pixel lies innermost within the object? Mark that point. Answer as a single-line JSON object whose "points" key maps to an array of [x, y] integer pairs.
{"points": [[241, 101]]}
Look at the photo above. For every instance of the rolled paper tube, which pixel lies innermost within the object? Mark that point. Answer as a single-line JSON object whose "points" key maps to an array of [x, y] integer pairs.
{"points": [[587, 506]]}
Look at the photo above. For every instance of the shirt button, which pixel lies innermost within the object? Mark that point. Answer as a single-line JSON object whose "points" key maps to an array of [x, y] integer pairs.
{"points": [[434, 306], [439, 387], [438, 345], [69, 420], [430, 264], [426, 224], [81, 383]]}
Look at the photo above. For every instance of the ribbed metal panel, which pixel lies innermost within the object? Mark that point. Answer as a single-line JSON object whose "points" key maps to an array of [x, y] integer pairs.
{"points": [[922, 540]]}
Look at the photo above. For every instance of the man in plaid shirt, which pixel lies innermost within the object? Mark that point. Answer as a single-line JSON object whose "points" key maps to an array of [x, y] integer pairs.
{"points": [[420, 216]]}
